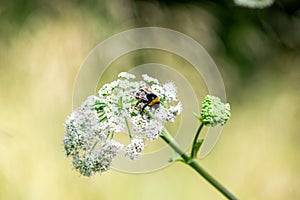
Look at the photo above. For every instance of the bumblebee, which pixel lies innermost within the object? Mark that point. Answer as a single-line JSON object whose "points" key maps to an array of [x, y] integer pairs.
{"points": [[146, 96]]}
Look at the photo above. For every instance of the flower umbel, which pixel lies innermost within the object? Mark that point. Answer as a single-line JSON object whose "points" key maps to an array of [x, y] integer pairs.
{"points": [[91, 131], [214, 112], [134, 149]]}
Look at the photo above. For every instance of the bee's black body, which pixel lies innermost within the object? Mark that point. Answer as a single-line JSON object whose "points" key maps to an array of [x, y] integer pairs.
{"points": [[145, 96]]}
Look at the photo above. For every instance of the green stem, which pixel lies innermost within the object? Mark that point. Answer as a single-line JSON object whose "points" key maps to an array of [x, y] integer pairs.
{"points": [[93, 147], [128, 128], [195, 165], [194, 150]]}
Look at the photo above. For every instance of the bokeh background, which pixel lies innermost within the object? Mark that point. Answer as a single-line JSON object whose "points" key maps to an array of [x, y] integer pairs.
{"points": [[43, 44]]}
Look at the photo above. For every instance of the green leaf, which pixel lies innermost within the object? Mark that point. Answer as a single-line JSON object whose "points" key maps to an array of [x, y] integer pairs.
{"points": [[175, 157], [99, 105], [196, 115]]}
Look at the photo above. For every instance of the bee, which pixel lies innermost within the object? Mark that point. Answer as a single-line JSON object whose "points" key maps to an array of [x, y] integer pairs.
{"points": [[146, 96]]}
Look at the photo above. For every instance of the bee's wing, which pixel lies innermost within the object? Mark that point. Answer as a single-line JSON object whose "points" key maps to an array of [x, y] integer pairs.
{"points": [[144, 98]]}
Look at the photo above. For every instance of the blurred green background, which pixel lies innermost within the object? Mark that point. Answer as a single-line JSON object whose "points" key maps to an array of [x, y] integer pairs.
{"points": [[43, 44]]}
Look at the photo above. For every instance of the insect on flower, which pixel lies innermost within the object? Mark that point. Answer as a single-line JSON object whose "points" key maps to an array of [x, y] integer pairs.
{"points": [[146, 96]]}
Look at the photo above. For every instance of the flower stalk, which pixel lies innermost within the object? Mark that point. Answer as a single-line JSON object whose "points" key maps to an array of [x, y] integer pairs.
{"points": [[128, 129], [196, 145]]}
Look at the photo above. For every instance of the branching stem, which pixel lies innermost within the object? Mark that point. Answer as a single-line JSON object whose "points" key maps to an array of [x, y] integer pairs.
{"points": [[166, 136]]}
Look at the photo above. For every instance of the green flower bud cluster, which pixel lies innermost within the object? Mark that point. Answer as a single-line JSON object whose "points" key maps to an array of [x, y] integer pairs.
{"points": [[214, 112]]}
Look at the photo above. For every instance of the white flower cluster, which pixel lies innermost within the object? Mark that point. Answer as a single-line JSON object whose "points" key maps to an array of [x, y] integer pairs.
{"points": [[134, 149], [90, 130], [254, 3]]}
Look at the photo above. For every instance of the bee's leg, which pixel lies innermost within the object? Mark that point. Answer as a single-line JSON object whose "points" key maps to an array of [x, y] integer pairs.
{"points": [[144, 107], [137, 103]]}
